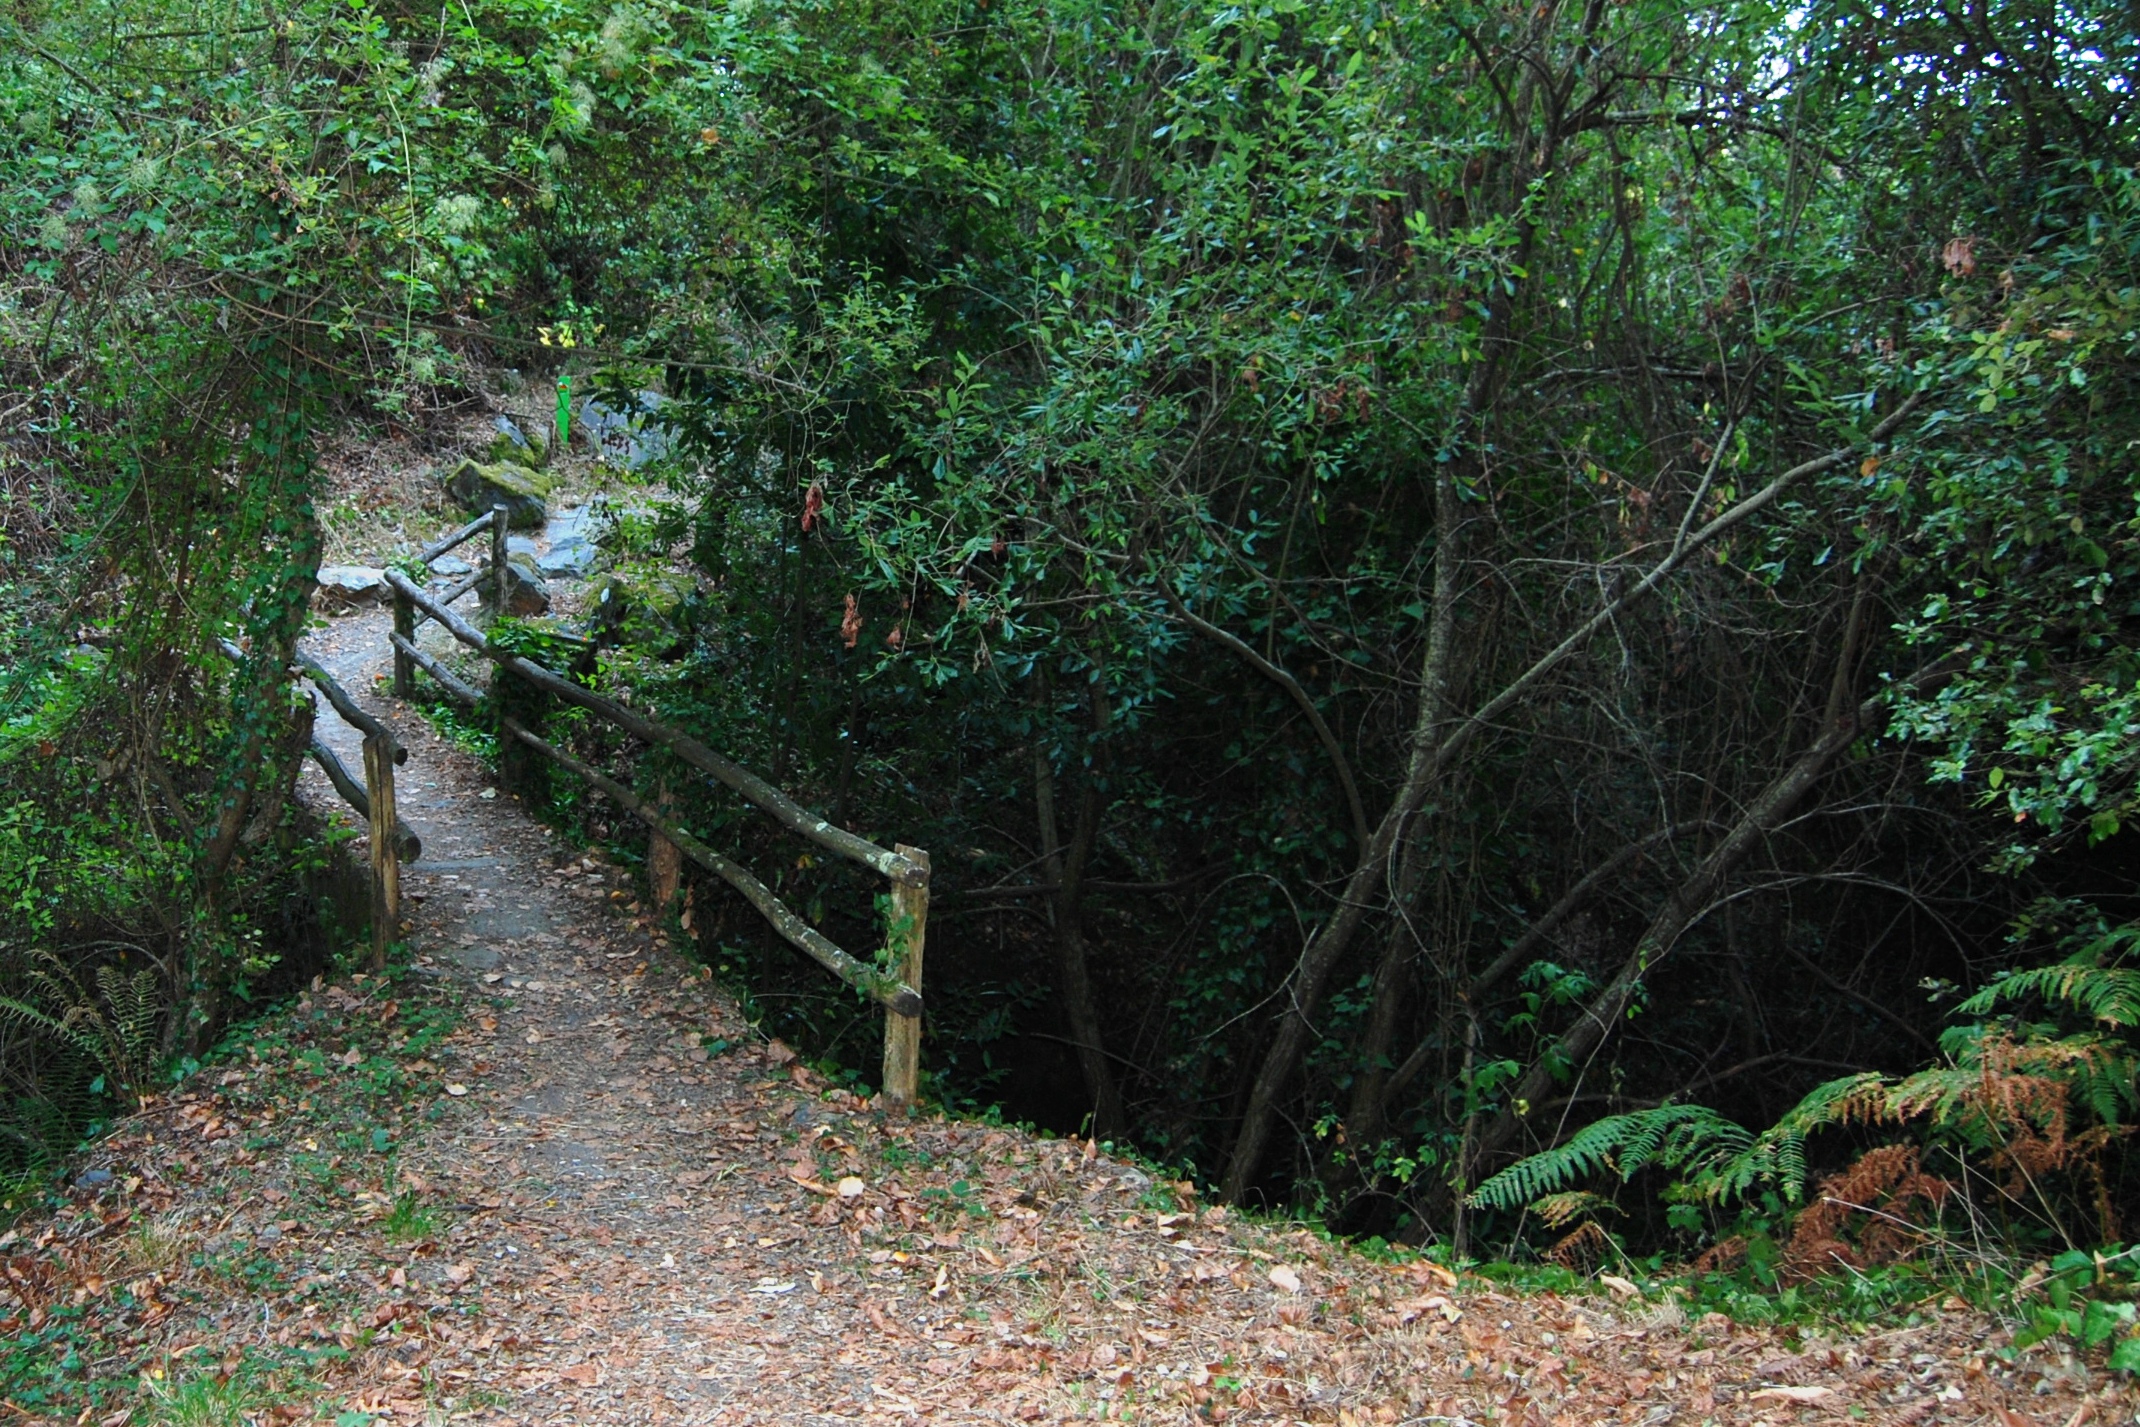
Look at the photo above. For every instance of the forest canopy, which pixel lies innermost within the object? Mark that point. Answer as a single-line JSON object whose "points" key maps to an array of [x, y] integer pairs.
{"points": [[1473, 600]]}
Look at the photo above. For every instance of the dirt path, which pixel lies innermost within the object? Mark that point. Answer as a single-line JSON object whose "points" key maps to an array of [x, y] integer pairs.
{"points": [[600, 1199], [666, 1236], [648, 1254]]}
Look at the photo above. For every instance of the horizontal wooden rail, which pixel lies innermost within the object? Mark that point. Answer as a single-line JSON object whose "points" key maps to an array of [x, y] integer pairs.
{"points": [[459, 537], [407, 845], [393, 841], [460, 692], [472, 582], [783, 809], [347, 707], [887, 990]]}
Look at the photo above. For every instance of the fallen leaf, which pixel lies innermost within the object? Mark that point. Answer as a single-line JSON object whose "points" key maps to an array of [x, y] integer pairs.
{"points": [[1283, 1278], [456, 1089], [583, 1374], [1794, 1394], [851, 1187], [460, 1272], [1435, 1271], [1619, 1285]]}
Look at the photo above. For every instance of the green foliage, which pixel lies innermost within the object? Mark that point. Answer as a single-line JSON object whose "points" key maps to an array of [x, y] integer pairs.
{"points": [[115, 1026], [1671, 1137], [1056, 444]]}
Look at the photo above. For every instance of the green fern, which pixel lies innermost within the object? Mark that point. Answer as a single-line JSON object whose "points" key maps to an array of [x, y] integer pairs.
{"points": [[2110, 995], [1777, 1156], [1670, 1136], [62, 1027], [115, 1026]]}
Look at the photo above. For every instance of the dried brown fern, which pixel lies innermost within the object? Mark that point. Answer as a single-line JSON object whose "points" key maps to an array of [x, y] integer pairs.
{"points": [[1879, 1210]]}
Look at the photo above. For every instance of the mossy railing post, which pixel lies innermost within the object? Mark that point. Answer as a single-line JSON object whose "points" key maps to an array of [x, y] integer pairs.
{"points": [[910, 924], [498, 552], [521, 771], [404, 666], [386, 863]]}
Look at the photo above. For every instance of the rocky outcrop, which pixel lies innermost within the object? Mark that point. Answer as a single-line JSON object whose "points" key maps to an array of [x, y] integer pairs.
{"points": [[525, 594], [350, 584], [513, 446], [522, 490]]}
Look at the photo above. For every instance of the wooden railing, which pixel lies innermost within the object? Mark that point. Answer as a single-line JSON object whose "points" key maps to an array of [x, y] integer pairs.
{"points": [[897, 990], [393, 841]]}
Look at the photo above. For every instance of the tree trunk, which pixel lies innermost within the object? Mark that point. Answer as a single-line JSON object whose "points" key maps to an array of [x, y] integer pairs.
{"points": [[1065, 869], [1428, 757], [1330, 941], [1687, 903]]}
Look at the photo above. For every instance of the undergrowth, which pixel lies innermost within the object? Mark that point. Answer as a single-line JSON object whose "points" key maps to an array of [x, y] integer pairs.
{"points": [[306, 1108]]}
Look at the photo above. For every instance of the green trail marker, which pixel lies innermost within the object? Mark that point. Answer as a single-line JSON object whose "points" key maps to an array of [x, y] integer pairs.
{"points": [[564, 411]]}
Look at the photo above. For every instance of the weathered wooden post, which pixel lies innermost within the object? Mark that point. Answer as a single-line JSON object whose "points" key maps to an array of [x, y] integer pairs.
{"points": [[910, 924], [404, 666], [664, 859], [498, 552], [386, 864]]}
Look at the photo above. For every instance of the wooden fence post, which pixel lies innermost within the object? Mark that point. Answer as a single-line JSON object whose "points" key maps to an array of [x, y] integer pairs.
{"points": [[902, 1034], [664, 860], [498, 552], [386, 866], [404, 666]]}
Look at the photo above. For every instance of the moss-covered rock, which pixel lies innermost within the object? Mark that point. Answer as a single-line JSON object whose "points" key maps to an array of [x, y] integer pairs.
{"points": [[514, 446], [522, 490], [645, 604]]}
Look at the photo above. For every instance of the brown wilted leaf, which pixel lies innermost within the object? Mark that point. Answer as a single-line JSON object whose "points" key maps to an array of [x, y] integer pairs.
{"points": [[851, 623], [1960, 256]]}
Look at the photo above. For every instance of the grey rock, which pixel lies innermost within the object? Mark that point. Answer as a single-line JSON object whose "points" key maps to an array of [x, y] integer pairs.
{"points": [[575, 520], [520, 489], [92, 1179], [435, 640], [570, 558], [452, 567], [519, 545], [509, 443], [635, 436], [351, 584], [525, 593]]}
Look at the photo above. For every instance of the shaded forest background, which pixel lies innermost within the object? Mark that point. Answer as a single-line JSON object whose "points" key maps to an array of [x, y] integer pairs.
{"points": [[1451, 586]]}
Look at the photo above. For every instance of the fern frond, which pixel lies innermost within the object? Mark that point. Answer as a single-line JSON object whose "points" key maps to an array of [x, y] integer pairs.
{"points": [[2110, 995], [59, 1027], [1557, 1211], [1672, 1136], [1777, 1156]]}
